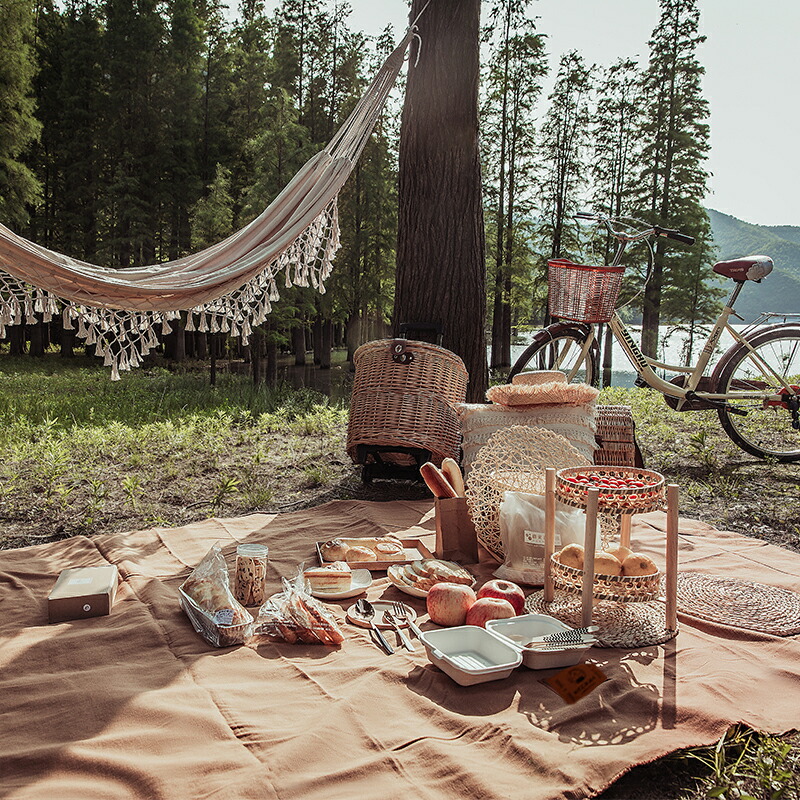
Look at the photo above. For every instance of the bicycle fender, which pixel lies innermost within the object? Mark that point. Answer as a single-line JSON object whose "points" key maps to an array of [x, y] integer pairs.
{"points": [[736, 346]]}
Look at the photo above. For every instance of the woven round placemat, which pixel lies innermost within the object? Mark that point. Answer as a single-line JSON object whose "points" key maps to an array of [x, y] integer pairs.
{"points": [[513, 460], [624, 625], [739, 603]]}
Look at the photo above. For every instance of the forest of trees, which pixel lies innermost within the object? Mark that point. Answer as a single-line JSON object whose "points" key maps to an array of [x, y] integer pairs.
{"points": [[135, 132]]}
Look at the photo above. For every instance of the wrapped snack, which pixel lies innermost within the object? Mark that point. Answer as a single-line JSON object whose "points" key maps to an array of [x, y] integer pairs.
{"points": [[294, 615], [207, 599], [251, 574]]}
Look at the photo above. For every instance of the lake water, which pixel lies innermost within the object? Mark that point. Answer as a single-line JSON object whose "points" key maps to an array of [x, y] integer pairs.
{"points": [[337, 382], [670, 351]]}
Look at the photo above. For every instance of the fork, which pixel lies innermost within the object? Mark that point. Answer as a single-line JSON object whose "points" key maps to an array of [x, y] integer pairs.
{"points": [[401, 612], [389, 618]]}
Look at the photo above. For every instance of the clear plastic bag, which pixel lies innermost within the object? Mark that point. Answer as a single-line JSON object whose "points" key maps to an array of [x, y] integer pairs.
{"points": [[294, 616], [522, 535], [208, 601]]}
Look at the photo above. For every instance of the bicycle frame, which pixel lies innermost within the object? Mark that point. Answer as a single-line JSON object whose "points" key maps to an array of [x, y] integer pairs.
{"points": [[645, 366]]}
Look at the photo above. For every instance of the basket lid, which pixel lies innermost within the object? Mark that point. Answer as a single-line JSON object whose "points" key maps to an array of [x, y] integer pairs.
{"points": [[539, 377], [550, 393]]}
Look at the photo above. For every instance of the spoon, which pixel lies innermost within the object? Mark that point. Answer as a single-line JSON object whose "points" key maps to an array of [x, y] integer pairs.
{"points": [[365, 609]]}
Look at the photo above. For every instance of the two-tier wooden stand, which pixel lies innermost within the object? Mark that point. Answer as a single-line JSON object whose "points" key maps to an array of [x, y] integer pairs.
{"points": [[628, 609]]}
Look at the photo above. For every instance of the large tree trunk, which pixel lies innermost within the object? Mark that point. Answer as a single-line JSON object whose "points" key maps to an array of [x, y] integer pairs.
{"points": [[327, 344], [440, 254], [299, 345]]}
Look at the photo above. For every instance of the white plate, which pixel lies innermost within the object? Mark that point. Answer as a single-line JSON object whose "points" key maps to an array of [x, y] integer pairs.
{"points": [[391, 574], [361, 581], [380, 606]]}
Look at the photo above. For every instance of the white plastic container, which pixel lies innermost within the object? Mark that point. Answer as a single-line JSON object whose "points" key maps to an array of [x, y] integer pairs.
{"points": [[470, 655], [517, 631]]}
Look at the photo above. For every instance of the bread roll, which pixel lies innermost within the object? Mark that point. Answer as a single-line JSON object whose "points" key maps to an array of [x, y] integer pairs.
{"points": [[389, 551], [452, 472], [620, 553], [334, 550], [637, 564], [606, 564], [360, 554], [436, 481], [572, 556]]}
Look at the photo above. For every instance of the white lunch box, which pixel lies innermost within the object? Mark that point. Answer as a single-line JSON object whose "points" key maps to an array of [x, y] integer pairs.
{"points": [[518, 631], [470, 655]]}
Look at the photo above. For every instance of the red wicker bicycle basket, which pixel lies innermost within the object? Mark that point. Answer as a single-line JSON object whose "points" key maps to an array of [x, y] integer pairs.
{"points": [[581, 293]]}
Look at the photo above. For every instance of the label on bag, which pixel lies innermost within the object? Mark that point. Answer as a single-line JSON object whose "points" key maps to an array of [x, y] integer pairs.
{"points": [[224, 616], [573, 683], [537, 537]]}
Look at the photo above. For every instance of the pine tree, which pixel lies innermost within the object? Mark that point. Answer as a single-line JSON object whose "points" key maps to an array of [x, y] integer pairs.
{"points": [[614, 137], [18, 185], [79, 132], [181, 185], [674, 138], [216, 145], [563, 141], [135, 137], [212, 214], [512, 86]]}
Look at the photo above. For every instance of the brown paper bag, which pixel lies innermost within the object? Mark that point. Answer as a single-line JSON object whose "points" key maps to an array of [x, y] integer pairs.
{"points": [[456, 539]]}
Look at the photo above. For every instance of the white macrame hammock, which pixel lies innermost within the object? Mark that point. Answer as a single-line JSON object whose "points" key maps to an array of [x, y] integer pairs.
{"points": [[228, 287]]}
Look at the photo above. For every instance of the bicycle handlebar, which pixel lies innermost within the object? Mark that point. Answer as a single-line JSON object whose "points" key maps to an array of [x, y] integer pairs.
{"points": [[622, 236], [676, 235]]}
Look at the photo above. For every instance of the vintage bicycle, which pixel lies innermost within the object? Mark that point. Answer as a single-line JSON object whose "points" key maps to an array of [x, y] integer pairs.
{"points": [[755, 384]]}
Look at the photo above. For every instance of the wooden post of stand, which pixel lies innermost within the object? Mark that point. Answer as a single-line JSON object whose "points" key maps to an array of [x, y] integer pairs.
{"points": [[549, 531], [625, 529], [589, 544], [671, 577]]}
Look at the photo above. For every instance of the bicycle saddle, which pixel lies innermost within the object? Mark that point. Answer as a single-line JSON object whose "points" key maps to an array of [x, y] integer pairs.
{"points": [[750, 268]]}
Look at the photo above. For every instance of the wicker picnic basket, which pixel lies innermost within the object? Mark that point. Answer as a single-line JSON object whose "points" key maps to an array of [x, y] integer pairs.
{"points": [[582, 293], [403, 397]]}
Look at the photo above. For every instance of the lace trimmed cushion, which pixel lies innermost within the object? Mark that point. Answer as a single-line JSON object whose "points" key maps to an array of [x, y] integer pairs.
{"points": [[480, 421]]}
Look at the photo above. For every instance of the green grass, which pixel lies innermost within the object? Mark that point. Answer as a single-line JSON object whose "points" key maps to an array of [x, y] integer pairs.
{"points": [[82, 455]]}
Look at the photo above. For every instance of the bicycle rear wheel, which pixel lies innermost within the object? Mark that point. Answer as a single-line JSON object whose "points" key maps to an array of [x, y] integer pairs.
{"points": [[561, 347], [763, 432]]}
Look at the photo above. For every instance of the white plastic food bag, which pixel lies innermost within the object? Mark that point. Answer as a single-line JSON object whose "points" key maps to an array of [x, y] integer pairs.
{"points": [[522, 535]]}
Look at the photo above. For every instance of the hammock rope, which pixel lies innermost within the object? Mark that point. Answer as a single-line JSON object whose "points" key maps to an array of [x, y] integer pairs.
{"points": [[228, 287]]}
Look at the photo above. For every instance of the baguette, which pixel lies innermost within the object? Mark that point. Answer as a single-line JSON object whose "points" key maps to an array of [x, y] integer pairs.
{"points": [[436, 481], [452, 472]]}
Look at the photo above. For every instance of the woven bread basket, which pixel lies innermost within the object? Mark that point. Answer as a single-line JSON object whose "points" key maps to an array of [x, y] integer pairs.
{"points": [[619, 588], [403, 396]]}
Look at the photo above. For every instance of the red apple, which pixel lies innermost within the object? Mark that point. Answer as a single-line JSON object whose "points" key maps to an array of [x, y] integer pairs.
{"points": [[505, 590], [481, 611], [448, 603]]}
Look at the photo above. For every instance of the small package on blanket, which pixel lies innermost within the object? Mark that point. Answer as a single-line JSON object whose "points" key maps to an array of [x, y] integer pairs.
{"points": [[83, 592], [294, 616], [522, 535], [208, 601]]}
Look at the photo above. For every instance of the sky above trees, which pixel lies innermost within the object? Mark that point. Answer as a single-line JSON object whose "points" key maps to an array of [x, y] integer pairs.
{"points": [[751, 69]]}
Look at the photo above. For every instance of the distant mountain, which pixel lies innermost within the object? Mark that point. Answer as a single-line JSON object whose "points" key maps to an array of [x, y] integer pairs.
{"points": [[779, 291]]}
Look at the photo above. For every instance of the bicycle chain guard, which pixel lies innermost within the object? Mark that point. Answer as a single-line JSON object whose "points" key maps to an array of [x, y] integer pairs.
{"points": [[791, 402]]}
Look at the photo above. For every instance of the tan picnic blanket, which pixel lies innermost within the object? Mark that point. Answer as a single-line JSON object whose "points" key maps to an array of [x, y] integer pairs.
{"points": [[137, 705]]}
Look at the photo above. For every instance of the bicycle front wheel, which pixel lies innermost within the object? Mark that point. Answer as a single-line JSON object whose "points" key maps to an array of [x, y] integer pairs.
{"points": [[561, 347], [765, 432]]}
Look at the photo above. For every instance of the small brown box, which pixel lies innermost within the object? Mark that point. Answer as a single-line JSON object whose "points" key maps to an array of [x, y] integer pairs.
{"points": [[456, 539], [83, 592]]}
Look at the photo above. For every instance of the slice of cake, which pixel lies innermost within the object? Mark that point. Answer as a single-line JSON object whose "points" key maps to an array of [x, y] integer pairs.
{"points": [[335, 577]]}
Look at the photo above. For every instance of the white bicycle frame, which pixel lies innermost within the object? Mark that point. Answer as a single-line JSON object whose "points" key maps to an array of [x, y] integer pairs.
{"points": [[645, 366]]}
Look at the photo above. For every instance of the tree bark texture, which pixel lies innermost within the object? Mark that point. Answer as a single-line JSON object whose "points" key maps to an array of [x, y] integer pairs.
{"points": [[441, 272]]}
